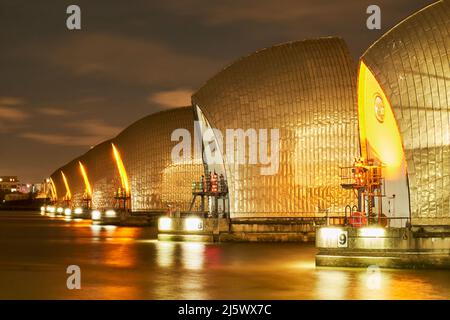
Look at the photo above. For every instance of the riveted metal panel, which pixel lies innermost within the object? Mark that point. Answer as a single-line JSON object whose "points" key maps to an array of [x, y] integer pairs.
{"points": [[305, 89], [411, 63]]}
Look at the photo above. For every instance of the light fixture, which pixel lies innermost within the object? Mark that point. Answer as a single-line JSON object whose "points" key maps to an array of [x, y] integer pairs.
{"points": [[193, 224], [78, 210], [330, 233], [67, 211], [165, 224], [373, 232], [60, 210], [96, 215], [110, 213]]}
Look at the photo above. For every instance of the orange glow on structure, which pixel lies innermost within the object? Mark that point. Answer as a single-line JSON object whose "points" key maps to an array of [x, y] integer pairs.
{"points": [[379, 134], [122, 171], [53, 190], [66, 184], [88, 189]]}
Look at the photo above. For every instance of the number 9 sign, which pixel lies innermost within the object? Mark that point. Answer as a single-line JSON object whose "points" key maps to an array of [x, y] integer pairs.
{"points": [[343, 239]]}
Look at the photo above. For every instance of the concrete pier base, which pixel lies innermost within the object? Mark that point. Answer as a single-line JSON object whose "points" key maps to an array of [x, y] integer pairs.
{"points": [[193, 229], [241, 230], [386, 248], [270, 230], [84, 216], [141, 219], [387, 259]]}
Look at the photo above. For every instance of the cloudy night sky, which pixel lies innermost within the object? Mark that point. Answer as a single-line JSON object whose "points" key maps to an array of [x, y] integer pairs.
{"points": [[63, 91]]}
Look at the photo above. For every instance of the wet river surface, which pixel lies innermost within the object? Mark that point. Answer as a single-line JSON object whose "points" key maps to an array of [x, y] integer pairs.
{"points": [[129, 263]]}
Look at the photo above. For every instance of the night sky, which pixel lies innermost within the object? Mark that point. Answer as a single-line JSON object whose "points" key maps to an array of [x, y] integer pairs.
{"points": [[63, 91]]}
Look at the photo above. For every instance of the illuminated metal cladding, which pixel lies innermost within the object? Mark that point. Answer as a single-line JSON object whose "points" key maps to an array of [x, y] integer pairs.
{"points": [[66, 184], [87, 184], [121, 169], [53, 189], [307, 90], [144, 148], [409, 67]]}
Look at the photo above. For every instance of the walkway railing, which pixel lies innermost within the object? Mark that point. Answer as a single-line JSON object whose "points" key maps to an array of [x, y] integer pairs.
{"points": [[364, 221]]}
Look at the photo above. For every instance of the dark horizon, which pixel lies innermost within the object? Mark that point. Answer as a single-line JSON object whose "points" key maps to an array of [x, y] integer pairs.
{"points": [[64, 91]]}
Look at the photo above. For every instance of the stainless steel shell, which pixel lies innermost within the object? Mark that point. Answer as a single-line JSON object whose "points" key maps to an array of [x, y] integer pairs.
{"points": [[411, 63], [307, 90], [145, 147]]}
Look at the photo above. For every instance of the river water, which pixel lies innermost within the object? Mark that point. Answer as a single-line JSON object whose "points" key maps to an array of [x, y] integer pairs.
{"points": [[129, 263]]}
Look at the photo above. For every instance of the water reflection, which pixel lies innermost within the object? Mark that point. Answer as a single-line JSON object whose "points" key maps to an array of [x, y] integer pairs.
{"points": [[125, 263], [331, 284], [193, 287], [183, 263], [192, 255], [123, 256], [371, 283], [192, 260], [165, 253], [98, 230]]}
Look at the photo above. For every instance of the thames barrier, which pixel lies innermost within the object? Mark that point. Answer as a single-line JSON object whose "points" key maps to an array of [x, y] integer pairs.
{"points": [[293, 143]]}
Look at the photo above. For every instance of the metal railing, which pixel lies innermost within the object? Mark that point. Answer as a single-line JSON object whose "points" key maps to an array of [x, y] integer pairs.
{"points": [[364, 221]]}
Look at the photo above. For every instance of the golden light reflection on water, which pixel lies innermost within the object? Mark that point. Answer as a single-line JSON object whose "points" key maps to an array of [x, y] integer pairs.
{"points": [[124, 253], [128, 263], [331, 284], [123, 256], [192, 259], [359, 283], [165, 253], [374, 283], [187, 260], [99, 230], [193, 287], [413, 284], [192, 255]]}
